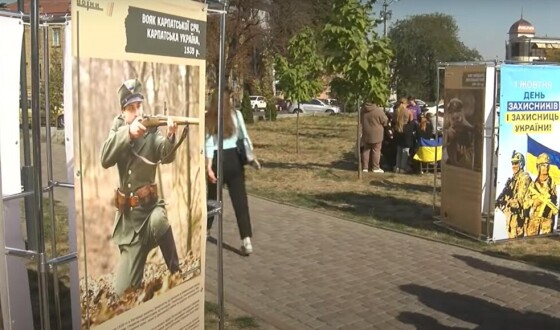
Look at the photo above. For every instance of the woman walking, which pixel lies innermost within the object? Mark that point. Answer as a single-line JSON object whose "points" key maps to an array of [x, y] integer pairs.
{"points": [[233, 170]]}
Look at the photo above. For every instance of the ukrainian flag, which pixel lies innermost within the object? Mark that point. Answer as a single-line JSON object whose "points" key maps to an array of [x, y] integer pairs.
{"points": [[428, 150], [534, 149]]}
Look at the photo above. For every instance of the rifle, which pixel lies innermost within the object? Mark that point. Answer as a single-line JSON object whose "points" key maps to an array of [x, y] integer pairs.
{"points": [[161, 120], [544, 200], [152, 122], [501, 201]]}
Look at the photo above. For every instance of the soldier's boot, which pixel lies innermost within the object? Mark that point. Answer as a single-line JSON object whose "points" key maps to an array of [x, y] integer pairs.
{"points": [[169, 251]]}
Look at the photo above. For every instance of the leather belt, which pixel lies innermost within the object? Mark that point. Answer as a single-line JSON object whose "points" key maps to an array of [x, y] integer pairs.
{"points": [[143, 196]]}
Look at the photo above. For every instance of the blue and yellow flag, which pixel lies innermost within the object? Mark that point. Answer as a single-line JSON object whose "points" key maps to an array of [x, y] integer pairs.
{"points": [[428, 149], [534, 149]]}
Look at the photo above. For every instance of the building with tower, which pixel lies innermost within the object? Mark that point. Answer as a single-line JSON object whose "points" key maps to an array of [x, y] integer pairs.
{"points": [[524, 46]]}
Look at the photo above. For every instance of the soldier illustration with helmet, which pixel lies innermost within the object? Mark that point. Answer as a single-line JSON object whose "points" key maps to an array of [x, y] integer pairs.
{"points": [[541, 200], [141, 222], [511, 200]]}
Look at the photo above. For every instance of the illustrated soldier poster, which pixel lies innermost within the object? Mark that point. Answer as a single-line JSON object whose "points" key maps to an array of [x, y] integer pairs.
{"points": [[529, 154], [139, 91], [463, 162]]}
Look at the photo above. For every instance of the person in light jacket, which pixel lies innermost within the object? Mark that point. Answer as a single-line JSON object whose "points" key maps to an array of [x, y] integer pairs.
{"points": [[233, 169]]}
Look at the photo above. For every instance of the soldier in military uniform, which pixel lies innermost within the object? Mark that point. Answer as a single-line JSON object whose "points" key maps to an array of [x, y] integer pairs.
{"points": [[511, 199], [141, 222], [542, 200]]}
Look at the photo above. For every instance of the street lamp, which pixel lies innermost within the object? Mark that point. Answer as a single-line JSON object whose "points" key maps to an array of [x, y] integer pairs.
{"points": [[386, 14]]}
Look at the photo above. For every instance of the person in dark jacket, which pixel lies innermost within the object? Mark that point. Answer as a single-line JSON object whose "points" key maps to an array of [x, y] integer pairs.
{"points": [[404, 138], [373, 122]]}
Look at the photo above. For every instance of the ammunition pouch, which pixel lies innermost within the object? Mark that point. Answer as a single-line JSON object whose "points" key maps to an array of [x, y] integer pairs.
{"points": [[144, 196]]}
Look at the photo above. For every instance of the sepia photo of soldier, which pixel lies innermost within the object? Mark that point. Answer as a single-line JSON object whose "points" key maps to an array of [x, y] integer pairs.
{"points": [[511, 200], [541, 200], [141, 222], [459, 134]]}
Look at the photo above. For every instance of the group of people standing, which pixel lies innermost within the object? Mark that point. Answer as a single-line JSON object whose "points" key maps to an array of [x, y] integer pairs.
{"points": [[390, 139]]}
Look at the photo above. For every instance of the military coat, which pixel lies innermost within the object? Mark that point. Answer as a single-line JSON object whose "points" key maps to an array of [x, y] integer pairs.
{"points": [[134, 173]]}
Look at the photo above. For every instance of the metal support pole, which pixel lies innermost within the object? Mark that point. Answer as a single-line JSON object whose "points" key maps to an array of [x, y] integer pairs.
{"points": [[48, 146], [219, 162], [385, 5], [36, 130], [436, 153], [27, 168], [492, 149]]}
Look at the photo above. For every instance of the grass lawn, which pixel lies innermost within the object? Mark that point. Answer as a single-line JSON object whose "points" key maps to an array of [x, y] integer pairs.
{"points": [[323, 176]]}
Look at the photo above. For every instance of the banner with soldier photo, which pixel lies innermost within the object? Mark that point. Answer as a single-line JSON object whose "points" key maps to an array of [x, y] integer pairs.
{"points": [[529, 154], [467, 97], [139, 91]]}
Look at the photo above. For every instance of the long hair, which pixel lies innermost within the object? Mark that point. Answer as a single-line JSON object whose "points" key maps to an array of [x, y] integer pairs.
{"points": [[212, 116], [403, 117], [423, 125]]}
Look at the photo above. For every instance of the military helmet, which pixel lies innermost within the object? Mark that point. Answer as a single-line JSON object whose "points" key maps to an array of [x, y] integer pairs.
{"points": [[130, 91], [518, 158], [543, 159]]}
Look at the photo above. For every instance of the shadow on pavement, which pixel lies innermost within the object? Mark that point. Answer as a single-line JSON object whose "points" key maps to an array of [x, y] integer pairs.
{"points": [[226, 246], [538, 278], [379, 207], [484, 314], [423, 322]]}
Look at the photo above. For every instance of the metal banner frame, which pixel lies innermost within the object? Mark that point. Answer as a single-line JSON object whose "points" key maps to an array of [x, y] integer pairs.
{"points": [[221, 8], [33, 189], [489, 132], [34, 208]]}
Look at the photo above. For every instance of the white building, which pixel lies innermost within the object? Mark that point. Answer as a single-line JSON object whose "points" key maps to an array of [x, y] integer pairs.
{"points": [[524, 46]]}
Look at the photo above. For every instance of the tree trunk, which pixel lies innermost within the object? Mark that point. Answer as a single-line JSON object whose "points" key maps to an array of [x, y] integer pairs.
{"points": [[297, 128], [358, 144]]}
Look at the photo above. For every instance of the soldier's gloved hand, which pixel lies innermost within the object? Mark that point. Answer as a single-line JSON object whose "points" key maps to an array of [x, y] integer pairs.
{"points": [[171, 128], [136, 129]]}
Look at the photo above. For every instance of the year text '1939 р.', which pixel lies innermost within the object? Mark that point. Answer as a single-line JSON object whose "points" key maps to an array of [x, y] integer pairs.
{"points": [[150, 32]]}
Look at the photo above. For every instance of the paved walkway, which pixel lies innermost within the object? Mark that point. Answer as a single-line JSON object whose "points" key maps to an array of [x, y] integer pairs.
{"points": [[311, 271]]}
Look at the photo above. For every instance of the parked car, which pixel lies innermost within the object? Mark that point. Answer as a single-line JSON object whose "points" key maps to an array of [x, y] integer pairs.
{"points": [[389, 107], [257, 102], [56, 118], [433, 109], [313, 105]]}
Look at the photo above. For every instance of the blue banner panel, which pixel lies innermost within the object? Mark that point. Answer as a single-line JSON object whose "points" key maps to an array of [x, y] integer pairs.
{"points": [[529, 155]]}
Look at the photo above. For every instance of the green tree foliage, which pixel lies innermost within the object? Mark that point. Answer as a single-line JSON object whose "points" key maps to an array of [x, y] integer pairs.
{"points": [[56, 86], [3, 5], [355, 54], [266, 86], [299, 72], [246, 109], [420, 42], [552, 55]]}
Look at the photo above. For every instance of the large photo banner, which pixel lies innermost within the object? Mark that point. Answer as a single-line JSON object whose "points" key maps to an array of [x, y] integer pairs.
{"points": [[529, 153], [139, 91], [463, 152]]}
